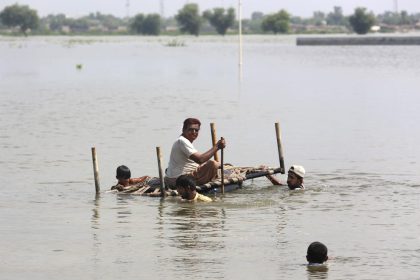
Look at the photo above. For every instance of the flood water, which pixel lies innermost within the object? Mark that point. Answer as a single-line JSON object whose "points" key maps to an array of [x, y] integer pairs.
{"points": [[349, 115]]}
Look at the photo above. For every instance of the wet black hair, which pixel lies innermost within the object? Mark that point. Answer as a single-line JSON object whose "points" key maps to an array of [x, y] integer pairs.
{"points": [[123, 172], [186, 181], [317, 253], [189, 122]]}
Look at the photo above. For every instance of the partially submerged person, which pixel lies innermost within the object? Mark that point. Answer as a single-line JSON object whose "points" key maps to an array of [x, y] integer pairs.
{"points": [[317, 253], [294, 178], [185, 159], [124, 179], [186, 188]]}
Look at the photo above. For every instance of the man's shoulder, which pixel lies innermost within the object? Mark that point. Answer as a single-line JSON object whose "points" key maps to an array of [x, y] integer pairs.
{"points": [[180, 142], [183, 140], [185, 145]]}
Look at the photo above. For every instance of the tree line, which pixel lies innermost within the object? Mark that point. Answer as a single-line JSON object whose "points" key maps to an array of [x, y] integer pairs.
{"points": [[189, 20]]}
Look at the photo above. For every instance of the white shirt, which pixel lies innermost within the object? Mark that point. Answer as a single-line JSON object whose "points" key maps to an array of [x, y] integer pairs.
{"points": [[179, 161]]}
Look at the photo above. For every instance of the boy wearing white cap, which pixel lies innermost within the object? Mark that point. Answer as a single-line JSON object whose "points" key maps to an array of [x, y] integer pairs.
{"points": [[294, 178]]}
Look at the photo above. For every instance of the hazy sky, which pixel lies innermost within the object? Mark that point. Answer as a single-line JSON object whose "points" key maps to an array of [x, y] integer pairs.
{"points": [[75, 8]]}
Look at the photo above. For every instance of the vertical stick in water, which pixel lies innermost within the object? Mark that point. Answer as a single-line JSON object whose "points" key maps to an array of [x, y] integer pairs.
{"points": [[95, 170], [222, 169], [213, 139], [280, 148], [162, 181]]}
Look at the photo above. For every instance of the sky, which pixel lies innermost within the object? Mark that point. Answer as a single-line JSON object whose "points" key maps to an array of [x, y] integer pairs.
{"points": [[303, 8]]}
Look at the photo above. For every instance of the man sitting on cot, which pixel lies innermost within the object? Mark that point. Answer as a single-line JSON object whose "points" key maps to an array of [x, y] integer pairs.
{"points": [[186, 187], [294, 178], [185, 159]]}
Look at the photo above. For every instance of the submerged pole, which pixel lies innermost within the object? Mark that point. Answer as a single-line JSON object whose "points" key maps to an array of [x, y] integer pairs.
{"points": [[95, 170], [162, 181], [280, 148], [213, 139]]}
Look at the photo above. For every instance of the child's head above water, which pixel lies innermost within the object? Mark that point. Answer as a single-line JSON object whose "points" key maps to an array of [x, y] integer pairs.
{"points": [[123, 174], [185, 186], [317, 253]]}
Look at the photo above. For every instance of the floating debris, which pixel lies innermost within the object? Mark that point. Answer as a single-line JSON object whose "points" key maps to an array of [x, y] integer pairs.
{"points": [[175, 43]]}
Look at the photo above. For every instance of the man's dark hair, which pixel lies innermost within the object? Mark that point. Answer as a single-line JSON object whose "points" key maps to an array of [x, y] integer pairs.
{"points": [[317, 253], [186, 181], [123, 172], [189, 122]]}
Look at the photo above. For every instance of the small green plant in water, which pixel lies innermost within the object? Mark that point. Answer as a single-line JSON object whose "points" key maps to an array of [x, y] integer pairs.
{"points": [[79, 66]]}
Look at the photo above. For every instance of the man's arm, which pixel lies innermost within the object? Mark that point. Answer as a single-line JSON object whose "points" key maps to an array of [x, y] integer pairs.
{"points": [[138, 180], [202, 158], [274, 180]]}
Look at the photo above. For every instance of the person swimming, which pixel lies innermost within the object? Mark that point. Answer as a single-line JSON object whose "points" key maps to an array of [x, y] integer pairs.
{"points": [[317, 253], [294, 178]]}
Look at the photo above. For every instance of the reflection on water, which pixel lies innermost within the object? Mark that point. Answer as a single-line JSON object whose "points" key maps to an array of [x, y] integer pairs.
{"points": [[96, 212], [317, 272], [197, 234], [96, 243], [197, 226]]}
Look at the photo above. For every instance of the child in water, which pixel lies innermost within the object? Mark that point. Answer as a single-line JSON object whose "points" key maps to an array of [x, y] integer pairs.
{"points": [[317, 253], [186, 187], [125, 180]]}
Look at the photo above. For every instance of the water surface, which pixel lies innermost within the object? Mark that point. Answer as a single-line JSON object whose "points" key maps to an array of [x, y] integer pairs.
{"points": [[348, 114]]}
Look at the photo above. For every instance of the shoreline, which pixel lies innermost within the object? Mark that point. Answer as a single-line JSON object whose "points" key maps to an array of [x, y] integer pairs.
{"points": [[359, 41]]}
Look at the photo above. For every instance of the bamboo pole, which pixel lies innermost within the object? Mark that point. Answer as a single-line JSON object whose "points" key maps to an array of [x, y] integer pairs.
{"points": [[213, 139], [222, 169], [216, 184], [95, 170], [280, 148], [162, 181]]}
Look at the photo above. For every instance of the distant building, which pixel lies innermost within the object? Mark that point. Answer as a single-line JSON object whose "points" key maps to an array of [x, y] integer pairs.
{"points": [[65, 29], [375, 28]]}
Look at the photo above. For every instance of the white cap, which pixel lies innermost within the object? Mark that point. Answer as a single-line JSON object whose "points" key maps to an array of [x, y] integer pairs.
{"points": [[298, 170]]}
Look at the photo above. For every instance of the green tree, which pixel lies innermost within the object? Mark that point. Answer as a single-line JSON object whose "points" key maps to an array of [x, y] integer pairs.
{"points": [[147, 25], [405, 18], [297, 20], [56, 22], [151, 24], [136, 25], [402, 18], [20, 16], [219, 19], [108, 21], [361, 21], [189, 20], [79, 25], [389, 18], [254, 24], [276, 23], [336, 17], [257, 16], [318, 18]]}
